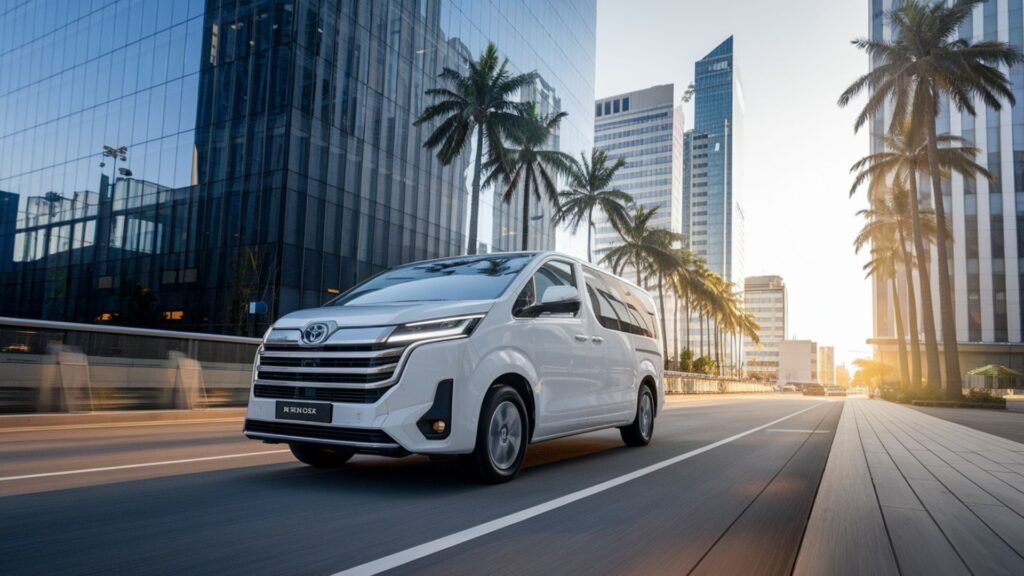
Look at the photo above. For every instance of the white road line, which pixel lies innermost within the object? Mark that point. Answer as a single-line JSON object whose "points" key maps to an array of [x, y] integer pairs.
{"points": [[797, 431], [423, 550], [145, 465]]}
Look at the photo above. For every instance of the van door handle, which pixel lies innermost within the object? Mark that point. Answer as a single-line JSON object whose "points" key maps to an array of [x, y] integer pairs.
{"points": [[597, 339], [581, 337]]}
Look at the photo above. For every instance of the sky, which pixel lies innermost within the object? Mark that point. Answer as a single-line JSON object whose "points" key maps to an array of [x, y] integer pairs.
{"points": [[794, 58]]}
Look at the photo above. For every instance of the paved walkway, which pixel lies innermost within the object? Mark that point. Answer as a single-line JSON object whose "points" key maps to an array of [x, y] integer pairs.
{"points": [[1009, 425], [907, 493]]}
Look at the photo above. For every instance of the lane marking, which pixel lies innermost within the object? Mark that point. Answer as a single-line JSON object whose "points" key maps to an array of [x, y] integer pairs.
{"points": [[144, 465], [797, 431], [423, 550], [238, 419]]}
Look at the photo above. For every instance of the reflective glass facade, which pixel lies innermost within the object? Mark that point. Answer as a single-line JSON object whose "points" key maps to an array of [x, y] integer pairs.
{"points": [[712, 211], [269, 159]]}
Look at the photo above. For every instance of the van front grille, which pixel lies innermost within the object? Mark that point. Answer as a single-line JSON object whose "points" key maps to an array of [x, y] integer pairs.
{"points": [[347, 395], [353, 364]]}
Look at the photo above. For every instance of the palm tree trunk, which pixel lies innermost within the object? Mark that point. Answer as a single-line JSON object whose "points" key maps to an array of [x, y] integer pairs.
{"points": [[700, 324], [474, 200], [931, 346], [664, 334], [526, 214], [915, 341], [954, 386], [689, 317], [677, 349], [718, 347], [590, 228], [901, 341]]}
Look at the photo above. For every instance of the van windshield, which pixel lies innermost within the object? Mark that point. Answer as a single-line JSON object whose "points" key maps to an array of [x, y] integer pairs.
{"points": [[464, 278]]}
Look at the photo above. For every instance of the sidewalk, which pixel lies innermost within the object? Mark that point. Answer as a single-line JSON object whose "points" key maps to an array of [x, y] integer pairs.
{"points": [[907, 493]]}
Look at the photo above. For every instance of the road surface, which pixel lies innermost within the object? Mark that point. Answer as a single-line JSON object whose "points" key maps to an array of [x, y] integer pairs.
{"points": [[726, 487]]}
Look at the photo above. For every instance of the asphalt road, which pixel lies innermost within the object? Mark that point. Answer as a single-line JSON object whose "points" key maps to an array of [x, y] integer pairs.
{"points": [[725, 488]]}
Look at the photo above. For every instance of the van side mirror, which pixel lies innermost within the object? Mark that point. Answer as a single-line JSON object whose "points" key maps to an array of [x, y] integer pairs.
{"points": [[556, 300]]}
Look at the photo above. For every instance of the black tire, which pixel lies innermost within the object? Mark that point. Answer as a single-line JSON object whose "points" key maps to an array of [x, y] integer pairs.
{"points": [[641, 430], [500, 461], [320, 456]]}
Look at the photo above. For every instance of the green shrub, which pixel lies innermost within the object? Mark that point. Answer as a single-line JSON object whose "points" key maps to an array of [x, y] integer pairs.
{"points": [[908, 395]]}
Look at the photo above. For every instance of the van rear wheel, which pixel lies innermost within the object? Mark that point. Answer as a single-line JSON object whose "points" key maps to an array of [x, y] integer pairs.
{"points": [[501, 436], [320, 456], [640, 431]]}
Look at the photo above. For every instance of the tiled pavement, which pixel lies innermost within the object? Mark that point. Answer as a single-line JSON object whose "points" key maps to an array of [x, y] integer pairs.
{"points": [[907, 493]]}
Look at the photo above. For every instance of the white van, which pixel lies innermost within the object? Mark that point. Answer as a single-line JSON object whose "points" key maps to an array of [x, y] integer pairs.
{"points": [[473, 355]]}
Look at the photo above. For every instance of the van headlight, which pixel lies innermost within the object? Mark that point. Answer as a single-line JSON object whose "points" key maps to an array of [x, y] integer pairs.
{"points": [[440, 329]]}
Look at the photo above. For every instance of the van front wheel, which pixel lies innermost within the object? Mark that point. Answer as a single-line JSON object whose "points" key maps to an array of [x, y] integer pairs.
{"points": [[321, 456], [640, 431], [501, 436]]}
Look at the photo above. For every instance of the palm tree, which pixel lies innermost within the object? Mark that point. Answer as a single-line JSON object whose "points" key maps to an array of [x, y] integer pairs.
{"points": [[682, 284], [885, 255], [904, 157], [643, 247], [647, 250], [536, 168], [589, 182], [749, 327], [479, 100], [889, 217], [924, 62]]}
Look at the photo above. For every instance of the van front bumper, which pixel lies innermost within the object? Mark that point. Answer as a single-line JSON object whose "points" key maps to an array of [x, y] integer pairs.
{"points": [[393, 425]]}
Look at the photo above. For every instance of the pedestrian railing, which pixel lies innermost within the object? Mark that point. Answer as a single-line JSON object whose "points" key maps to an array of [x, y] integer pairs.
{"points": [[66, 367], [689, 383]]}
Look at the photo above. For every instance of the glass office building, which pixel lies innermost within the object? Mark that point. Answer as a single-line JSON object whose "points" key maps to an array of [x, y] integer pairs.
{"points": [[645, 129], [712, 211], [211, 164], [765, 297], [986, 248]]}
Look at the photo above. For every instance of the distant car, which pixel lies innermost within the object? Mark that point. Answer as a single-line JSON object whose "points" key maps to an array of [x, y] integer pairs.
{"points": [[789, 388], [834, 391], [814, 390]]}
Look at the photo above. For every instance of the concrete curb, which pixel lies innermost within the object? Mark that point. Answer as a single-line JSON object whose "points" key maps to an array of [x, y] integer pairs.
{"points": [[122, 417]]}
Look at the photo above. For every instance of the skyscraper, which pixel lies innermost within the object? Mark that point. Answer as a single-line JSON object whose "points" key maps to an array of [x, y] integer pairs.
{"points": [[765, 297], [712, 213], [987, 219], [269, 157], [644, 128]]}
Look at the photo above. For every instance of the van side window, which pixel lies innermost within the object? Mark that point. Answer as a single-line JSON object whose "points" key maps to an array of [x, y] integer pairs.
{"points": [[600, 302], [553, 273]]}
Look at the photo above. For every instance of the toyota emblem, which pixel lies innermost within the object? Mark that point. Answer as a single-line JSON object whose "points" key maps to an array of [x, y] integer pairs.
{"points": [[315, 333]]}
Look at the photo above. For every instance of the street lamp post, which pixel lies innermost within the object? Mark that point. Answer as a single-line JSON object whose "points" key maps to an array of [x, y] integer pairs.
{"points": [[117, 154]]}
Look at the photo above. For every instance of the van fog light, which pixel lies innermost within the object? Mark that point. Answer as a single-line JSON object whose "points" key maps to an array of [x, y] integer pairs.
{"points": [[439, 426]]}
